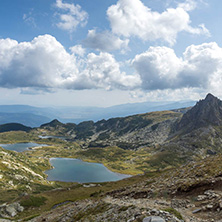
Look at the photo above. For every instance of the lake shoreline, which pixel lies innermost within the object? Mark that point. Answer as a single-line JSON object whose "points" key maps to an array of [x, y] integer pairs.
{"points": [[77, 170]]}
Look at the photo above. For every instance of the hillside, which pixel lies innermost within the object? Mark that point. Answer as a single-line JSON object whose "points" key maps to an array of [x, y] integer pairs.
{"points": [[177, 155], [200, 129], [126, 132], [13, 127]]}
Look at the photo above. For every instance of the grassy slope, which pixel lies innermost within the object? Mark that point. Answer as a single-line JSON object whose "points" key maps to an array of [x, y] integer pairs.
{"points": [[116, 159]]}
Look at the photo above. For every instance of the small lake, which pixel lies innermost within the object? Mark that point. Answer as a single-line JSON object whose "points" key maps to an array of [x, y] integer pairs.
{"points": [[20, 147], [75, 170]]}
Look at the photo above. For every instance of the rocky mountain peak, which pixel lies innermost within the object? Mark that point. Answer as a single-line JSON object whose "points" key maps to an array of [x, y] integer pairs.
{"points": [[53, 123], [206, 112], [210, 97]]}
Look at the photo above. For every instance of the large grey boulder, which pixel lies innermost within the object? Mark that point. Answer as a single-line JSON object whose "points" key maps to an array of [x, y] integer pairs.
{"points": [[10, 210], [153, 219]]}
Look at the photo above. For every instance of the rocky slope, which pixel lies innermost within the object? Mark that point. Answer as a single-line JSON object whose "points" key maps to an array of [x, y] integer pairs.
{"points": [[128, 132], [191, 192], [17, 171]]}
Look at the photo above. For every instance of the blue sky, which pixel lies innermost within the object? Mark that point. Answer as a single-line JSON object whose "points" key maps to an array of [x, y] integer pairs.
{"points": [[103, 53]]}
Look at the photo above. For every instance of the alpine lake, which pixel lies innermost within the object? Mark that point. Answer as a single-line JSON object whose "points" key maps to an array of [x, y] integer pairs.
{"points": [[71, 170]]}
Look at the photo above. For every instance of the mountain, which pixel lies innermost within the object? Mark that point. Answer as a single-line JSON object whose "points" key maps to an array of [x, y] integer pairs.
{"points": [[195, 129], [177, 153], [14, 127], [27, 119], [126, 132], [206, 112], [80, 114], [53, 123], [26, 115], [36, 116]]}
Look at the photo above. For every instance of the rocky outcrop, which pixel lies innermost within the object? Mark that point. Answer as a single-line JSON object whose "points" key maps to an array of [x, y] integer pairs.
{"points": [[10, 210], [206, 112]]}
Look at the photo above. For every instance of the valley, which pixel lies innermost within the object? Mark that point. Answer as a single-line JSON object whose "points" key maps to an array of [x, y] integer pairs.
{"points": [[174, 158]]}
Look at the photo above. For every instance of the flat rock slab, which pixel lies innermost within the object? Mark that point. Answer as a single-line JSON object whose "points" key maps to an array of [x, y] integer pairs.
{"points": [[153, 219]]}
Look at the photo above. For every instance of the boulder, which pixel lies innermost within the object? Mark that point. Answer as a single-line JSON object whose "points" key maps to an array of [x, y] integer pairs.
{"points": [[153, 219], [10, 210]]}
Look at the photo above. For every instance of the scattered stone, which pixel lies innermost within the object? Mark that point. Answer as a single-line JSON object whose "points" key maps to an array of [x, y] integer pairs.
{"points": [[154, 212], [211, 152], [175, 203], [201, 197], [209, 206], [196, 211], [211, 194]]}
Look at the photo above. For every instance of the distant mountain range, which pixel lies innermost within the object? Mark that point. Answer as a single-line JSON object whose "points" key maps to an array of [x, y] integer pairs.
{"points": [[36, 116]]}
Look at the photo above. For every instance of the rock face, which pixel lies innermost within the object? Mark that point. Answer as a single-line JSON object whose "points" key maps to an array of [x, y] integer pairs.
{"points": [[206, 112]]}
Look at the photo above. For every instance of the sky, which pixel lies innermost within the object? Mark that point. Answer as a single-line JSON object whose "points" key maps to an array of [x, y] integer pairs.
{"points": [[106, 52]]}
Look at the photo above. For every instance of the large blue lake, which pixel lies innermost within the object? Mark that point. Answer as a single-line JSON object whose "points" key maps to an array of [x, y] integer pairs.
{"points": [[74, 170], [20, 147]]}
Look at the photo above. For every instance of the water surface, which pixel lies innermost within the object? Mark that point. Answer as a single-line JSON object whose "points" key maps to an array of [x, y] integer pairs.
{"points": [[20, 147], [74, 170]]}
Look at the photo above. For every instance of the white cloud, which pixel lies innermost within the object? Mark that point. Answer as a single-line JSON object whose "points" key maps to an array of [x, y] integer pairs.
{"points": [[78, 50], [132, 18], [188, 5], [73, 17], [157, 67], [200, 67], [29, 19], [104, 41], [184, 94], [44, 64], [103, 71]]}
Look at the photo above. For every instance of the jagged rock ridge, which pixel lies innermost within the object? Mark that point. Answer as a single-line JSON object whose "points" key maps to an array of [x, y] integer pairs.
{"points": [[206, 112]]}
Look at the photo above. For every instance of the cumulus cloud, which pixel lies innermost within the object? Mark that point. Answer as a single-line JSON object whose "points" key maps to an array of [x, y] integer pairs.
{"points": [[73, 17], [132, 18], [104, 41], [188, 5], [78, 50], [44, 64], [200, 67], [103, 71]]}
